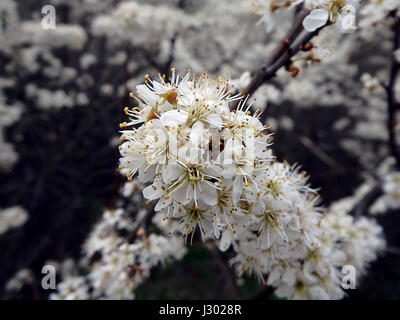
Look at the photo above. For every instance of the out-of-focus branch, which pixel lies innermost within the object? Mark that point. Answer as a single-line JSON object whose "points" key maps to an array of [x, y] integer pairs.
{"points": [[393, 250], [320, 154], [226, 272], [182, 4], [362, 206], [143, 223], [162, 67], [262, 293], [148, 56], [393, 105]]}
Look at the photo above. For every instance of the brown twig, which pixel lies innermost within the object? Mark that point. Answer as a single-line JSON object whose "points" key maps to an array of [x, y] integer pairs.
{"points": [[393, 105], [393, 250], [226, 272], [320, 154], [262, 292], [361, 207], [143, 224], [286, 49], [162, 67]]}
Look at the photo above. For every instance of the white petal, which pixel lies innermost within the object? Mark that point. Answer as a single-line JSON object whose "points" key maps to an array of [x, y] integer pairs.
{"points": [[289, 277], [390, 4], [274, 275], [208, 194], [284, 291], [159, 88], [316, 19], [172, 172], [228, 171], [147, 174], [162, 204], [183, 194], [147, 95], [318, 293], [214, 120], [226, 240], [174, 118], [346, 20], [153, 191], [217, 233], [237, 189], [196, 133]]}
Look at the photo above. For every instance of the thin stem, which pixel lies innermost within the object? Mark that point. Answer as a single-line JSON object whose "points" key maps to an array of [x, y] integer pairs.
{"points": [[287, 48], [226, 272], [143, 223], [262, 293], [320, 154], [362, 206], [393, 105]]}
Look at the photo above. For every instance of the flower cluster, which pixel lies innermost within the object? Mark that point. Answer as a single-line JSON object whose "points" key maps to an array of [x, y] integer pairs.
{"points": [[322, 12], [116, 265], [208, 165], [330, 11], [268, 10], [206, 173], [315, 273], [390, 198], [377, 11], [151, 24]]}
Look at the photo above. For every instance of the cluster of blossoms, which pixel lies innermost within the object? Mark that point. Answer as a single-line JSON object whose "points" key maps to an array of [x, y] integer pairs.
{"points": [[322, 12], [390, 198], [377, 11], [192, 149], [117, 265], [8, 115], [212, 168], [314, 272], [268, 9], [206, 163], [391, 189], [131, 16], [341, 12]]}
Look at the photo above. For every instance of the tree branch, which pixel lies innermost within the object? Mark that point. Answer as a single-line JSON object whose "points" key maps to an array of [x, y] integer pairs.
{"points": [[286, 49], [393, 105], [320, 154], [262, 292], [226, 272], [143, 223], [361, 207]]}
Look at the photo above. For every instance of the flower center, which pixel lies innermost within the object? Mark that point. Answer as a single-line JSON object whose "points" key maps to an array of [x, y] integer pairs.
{"points": [[171, 96]]}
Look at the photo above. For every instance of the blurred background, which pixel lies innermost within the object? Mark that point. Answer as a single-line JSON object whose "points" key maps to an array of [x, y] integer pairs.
{"points": [[62, 94]]}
